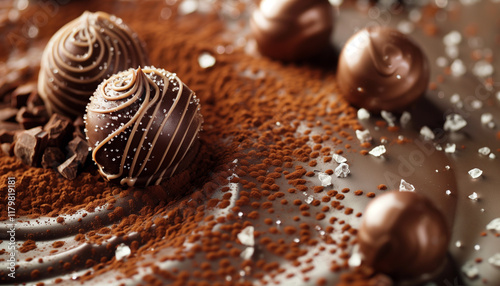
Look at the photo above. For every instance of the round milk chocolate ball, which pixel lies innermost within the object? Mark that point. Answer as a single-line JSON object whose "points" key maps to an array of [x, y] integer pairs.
{"points": [[292, 29], [382, 69], [403, 234], [143, 126], [81, 55]]}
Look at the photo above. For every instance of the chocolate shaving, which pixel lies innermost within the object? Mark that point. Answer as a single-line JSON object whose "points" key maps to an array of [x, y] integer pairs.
{"points": [[80, 148], [29, 145], [7, 113]]}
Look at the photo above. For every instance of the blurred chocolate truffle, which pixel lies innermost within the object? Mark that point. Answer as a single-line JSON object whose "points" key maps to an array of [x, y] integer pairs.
{"points": [[81, 55], [143, 126], [403, 234], [292, 29], [382, 69]]}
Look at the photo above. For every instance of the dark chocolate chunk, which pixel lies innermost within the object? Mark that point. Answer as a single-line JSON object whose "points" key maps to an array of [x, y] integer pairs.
{"points": [[30, 145], [382, 69], [79, 147], [59, 129], [69, 169], [52, 157], [21, 94], [31, 119], [143, 126]]}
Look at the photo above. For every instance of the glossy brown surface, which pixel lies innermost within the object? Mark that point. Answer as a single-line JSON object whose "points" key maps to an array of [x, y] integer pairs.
{"points": [[143, 126], [292, 30], [403, 234], [382, 69], [83, 53]]}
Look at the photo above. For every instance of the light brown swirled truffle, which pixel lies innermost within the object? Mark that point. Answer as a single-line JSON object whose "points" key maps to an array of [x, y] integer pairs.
{"points": [[81, 55], [143, 126], [292, 29], [403, 234], [382, 69]]}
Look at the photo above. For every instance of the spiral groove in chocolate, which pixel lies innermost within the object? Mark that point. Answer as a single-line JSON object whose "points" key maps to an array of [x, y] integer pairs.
{"points": [[403, 234], [292, 29], [382, 69], [81, 55], [143, 126]]}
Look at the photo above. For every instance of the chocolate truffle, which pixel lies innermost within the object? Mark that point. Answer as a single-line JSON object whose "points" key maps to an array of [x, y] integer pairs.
{"points": [[292, 29], [143, 126], [382, 69], [403, 234], [81, 55]]}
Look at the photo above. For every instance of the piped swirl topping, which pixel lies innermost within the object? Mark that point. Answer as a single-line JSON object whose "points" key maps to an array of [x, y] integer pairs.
{"points": [[292, 29], [143, 125], [382, 69], [81, 55]]}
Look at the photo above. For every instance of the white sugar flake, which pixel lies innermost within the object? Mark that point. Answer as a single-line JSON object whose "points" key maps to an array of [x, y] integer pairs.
{"points": [[342, 170], [454, 122], [475, 173], [378, 151], [122, 251], [325, 179], [404, 186], [246, 236], [494, 225]]}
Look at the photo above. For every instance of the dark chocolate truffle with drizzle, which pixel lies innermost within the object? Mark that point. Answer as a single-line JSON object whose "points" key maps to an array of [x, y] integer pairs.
{"points": [[382, 69], [81, 55], [292, 29], [143, 126], [404, 235]]}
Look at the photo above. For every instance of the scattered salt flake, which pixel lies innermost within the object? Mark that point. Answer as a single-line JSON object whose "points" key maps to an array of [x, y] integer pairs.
{"points": [[494, 225], [309, 200], [454, 122], [485, 151], [470, 270], [389, 117], [247, 253], [475, 173], [482, 68], [363, 136], [378, 151], [450, 148], [476, 104], [325, 179], [453, 38], [246, 236], [495, 260], [458, 68], [405, 118], [363, 114], [441, 62], [477, 247], [455, 98], [404, 186], [492, 156], [338, 158], [188, 7], [486, 118], [342, 170], [474, 196], [356, 257], [122, 251], [448, 192], [458, 243], [427, 133], [206, 60]]}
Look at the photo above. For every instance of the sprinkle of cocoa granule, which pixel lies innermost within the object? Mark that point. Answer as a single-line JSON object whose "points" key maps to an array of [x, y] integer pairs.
{"points": [[370, 195]]}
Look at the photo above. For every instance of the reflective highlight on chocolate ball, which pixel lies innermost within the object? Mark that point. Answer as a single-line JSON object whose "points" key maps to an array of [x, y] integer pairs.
{"points": [[81, 55], [143, 126], [382, 69], [403, 234], [292, 29]]}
